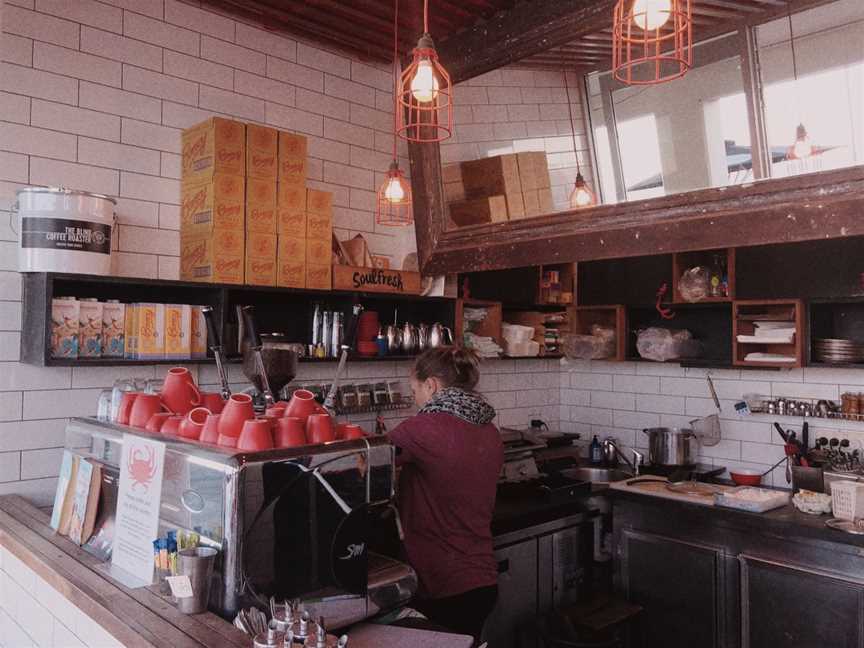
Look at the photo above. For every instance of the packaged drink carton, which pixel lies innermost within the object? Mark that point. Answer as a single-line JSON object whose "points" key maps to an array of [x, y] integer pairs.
{"points": [[199, 334], [178, 331], [113, 329], [65, 321], [89, 328], [151, 331]]}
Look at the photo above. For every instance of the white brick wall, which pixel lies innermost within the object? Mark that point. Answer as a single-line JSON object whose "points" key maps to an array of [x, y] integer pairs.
{"points": [[619, 399]]}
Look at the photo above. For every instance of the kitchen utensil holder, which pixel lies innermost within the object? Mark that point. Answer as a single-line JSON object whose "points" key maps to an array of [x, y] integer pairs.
{"points": [[847, 499]]}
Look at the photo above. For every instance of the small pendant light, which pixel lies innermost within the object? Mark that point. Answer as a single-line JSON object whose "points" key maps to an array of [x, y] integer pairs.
{"points": [[802, 148], [393, 201], [652, 40], [425, 95], [582, 196]]}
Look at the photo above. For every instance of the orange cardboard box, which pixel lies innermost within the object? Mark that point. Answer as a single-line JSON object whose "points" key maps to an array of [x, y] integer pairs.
{"points": [[217, 145], [261, 272], [292, 158], [319, 226], [291, 223], [319, 202], [215, 204], [291, 196], [531, 199], [260, 246], [290, 274], [261, 205], [318, 252], [547, 204], [262, 144], [319, 277], [292, 249], [217, 257]]}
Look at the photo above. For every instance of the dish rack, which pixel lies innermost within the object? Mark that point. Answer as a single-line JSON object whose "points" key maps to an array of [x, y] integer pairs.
{"points": [[847, 499]]}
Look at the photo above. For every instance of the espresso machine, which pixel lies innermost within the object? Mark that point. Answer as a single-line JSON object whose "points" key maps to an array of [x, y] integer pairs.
{"points": [[292, 523]]}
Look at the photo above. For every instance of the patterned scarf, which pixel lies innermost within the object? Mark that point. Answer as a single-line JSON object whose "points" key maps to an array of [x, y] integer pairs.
{"points": [[468, 406]]}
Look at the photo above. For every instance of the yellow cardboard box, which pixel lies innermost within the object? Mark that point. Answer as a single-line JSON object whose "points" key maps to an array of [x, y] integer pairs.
{"points": [[319, 277], [217, 257], [262, 144], [292, 248], [291, 196], [319, 226], [215, 204], [292, 158], [290, 273], [291, 223], [261, 272], [261, 205], [318, 252], [217, 145], [319, 202]]}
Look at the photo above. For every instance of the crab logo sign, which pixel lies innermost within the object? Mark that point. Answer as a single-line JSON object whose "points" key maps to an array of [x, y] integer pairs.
{"points": [[141, 465]]}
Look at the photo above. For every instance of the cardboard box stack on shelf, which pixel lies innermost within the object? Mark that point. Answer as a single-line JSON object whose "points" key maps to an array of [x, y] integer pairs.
{"points": [[497, 189], [244, 208]]}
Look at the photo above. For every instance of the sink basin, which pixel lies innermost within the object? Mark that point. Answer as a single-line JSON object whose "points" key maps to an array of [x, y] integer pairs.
{"points": [[597, 474]]}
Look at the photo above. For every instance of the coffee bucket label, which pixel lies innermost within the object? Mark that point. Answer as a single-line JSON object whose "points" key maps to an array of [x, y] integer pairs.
{"points": [[65, 234]]}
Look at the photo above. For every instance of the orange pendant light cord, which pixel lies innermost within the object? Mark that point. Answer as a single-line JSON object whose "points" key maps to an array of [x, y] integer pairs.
{"points": [[572, 125], [395, 74]]}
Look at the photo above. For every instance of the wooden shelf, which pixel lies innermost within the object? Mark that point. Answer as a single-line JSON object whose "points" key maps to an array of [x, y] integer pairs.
{"points": [[582, 318], [745, 314], [489, 327], [682, 261]]}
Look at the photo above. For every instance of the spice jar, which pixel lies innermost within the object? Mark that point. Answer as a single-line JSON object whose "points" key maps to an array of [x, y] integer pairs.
{"points": [[850, 403]]}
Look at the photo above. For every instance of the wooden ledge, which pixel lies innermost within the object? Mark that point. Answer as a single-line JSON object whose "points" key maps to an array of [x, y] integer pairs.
{"points": [[135, 617]]}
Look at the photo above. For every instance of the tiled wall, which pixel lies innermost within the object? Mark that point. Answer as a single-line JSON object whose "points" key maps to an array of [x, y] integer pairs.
{"points": [[33, 613], [514, 110], [619, 399]]}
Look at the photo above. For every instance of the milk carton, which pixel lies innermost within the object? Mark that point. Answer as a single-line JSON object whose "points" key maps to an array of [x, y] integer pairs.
{"points": [[178, 331], [113, 329], [89, 328], [65, 318]]}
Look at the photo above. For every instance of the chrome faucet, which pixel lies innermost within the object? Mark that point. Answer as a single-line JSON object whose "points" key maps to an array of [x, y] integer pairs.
{"points": [[610, 449]]}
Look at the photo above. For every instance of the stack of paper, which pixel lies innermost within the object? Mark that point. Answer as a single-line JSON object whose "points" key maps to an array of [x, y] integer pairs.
{"points": [[486, 347], [770, 333]]}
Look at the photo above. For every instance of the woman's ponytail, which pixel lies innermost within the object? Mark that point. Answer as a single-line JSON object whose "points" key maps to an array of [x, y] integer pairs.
{"points": [[454, 366]]}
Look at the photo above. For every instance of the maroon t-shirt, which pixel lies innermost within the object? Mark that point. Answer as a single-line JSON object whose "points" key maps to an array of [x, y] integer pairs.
{"points": [[446, 496]]}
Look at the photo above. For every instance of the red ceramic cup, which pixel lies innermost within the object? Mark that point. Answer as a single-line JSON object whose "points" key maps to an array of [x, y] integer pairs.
{"points": [[125, 409], [302, 404], [210, 433], [289, 432], [227, 441], [257, 435], [179, 392], [171, 426], [157, 421], [237, 410], [277, 411], [351, 431], [212, 401], [340, 430], [193, 424], [145, 406], [319, 428]]}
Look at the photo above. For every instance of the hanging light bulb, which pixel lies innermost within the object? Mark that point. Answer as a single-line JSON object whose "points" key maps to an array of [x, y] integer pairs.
{"points": [[394, 185], [424, 85], [581, 196], [802, 148], [651, 14]]}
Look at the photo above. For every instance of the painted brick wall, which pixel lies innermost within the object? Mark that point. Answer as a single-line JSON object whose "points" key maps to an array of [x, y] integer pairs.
{"points": [[619, 399], [514, 110]]}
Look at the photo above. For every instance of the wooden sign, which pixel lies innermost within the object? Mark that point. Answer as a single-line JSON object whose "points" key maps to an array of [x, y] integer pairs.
{"points": [[398, 282]]}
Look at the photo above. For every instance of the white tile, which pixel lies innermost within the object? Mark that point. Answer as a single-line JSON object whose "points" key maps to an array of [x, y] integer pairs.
{"points": [[776, 375], [234, 56], [79, 121], [675, 420], [298, 75], [726, 449], [162, 34], [348, 176], [10, 289], [637, 384], [735, 389], [137, 212], [170, 166], [163, 86], [232, 104], [502, 400], [169, 268], [14, 108], [316, 102], [169, 217], [199, 20], [36, 464], [10, 316], [834, 376], [144, 187], [119, 48], [180, 116], [372, 76], [196, 69], [130, 264], [349, 133], [40, 26], [13, 635], [24, 577], [89, 178], [104, 377], [118, 156], [10, 466], [152, 8], [147, 240], [591, 415], [36, 141], [371, 118], [263, 88], [60, 404], [37, 83], [88, 12], [323, 60], [16, 49], [10, 341], [761, 452], [805, 390], [613, 400], [350, 91], [684, 387], [143, 134], [120, 102], [65, 638], [746, 430], [660, 404], [14, 167], [575, 397], [716, 374], [612, 367], [267, 42], [591, 381]]}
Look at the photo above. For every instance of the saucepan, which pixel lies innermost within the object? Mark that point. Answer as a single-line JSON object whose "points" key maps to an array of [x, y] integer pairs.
{"points": [[672, 446]]}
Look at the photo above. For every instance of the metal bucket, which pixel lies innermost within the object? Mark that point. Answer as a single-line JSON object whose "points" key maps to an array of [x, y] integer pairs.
{"points": [[63, 230], [672, 446]]}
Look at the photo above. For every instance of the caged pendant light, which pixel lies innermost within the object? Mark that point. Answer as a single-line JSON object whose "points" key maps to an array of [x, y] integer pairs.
{"points": [[425, 94], [652, 40], [393, 201], [801, 148], [582, 196]]}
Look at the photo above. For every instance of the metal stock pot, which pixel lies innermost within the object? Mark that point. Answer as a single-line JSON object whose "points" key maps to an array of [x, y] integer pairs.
{"points": [[672, 446]]}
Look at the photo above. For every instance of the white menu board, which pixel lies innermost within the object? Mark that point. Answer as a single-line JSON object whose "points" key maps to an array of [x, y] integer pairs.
{"points": [[138, 497]]}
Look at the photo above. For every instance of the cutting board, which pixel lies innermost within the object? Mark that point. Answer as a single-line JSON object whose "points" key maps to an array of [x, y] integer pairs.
{"points": [[658, 489]]}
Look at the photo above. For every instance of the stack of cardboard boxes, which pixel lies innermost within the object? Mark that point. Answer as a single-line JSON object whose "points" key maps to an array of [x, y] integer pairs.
{"points": [[497, 189], [247, 216]]}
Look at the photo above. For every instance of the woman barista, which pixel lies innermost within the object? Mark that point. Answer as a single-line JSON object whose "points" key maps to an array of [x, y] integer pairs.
{"points": [[451, 455]]}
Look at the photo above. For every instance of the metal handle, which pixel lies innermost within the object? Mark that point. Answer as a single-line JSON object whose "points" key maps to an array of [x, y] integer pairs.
{"points": [[212, 333], [349, 340], [251, 327], [713, 392]]}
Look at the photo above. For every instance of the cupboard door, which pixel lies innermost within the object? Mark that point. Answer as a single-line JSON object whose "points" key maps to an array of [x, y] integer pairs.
{"points": [[679, 585], [509, 624], [790, 606]]}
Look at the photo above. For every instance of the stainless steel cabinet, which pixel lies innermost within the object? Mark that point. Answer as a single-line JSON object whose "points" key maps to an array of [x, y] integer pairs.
{"points": [[517, 595]]}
